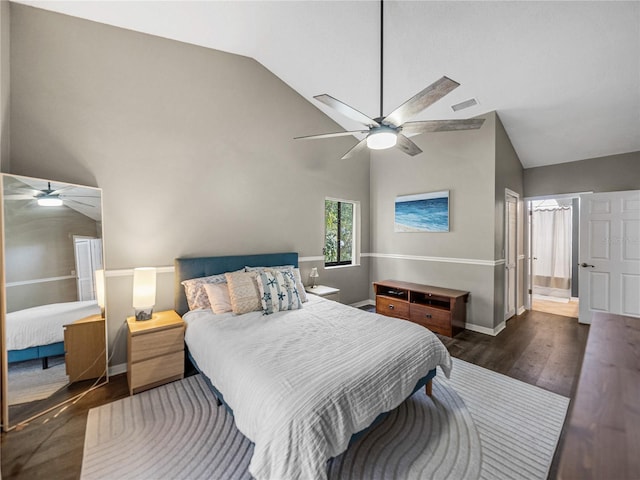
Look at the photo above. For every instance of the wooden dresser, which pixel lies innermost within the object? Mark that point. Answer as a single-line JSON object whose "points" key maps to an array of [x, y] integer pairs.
{"points": [[155, 351], [441, 310], [603, 429], [85, 343]]}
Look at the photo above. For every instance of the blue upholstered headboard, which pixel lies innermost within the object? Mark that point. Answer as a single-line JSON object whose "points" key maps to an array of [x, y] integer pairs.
{"points": [[186, 268]]}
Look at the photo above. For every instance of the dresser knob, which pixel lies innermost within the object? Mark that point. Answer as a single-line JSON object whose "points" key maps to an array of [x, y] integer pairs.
{"points": [[391, 307]]}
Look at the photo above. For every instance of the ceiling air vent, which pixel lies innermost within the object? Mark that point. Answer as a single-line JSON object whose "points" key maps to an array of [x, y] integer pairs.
{"points": [[466, 104]]}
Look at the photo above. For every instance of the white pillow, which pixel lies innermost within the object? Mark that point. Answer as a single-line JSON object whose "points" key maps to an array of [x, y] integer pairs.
{"points": [[218, 294], [296, 273], [278, 291], [196, 295]]}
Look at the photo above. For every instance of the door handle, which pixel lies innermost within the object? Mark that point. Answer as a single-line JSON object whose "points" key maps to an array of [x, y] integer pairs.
{"points": [[585, 265]]}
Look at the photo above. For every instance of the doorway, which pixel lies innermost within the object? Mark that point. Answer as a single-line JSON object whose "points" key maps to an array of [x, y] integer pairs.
{"points": [[554, 239], [511, 253], [88, 257]]}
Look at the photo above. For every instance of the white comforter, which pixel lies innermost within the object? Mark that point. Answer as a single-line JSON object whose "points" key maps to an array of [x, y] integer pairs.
{"points": [[301, 382], [42, 325]]}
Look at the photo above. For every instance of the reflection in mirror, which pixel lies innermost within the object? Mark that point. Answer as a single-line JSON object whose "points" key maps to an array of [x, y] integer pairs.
{"points": [[55, 337]]}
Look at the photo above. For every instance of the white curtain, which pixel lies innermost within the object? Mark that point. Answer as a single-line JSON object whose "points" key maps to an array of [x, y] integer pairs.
{"points": [[552, 252]]}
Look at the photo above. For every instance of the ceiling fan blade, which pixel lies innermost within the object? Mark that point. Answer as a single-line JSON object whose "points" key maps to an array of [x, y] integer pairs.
{"points": [[414, 128], [60, 190], [79, 196], [420, 101], [18, 196], [23, 191], [346, 110], [329, 135], [357, 148], [407, 146], [80, 203]]}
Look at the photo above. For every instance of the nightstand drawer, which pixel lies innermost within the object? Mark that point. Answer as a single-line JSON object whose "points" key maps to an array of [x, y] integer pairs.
{"points": [[154, 344], [154, 370], [392, 307]]}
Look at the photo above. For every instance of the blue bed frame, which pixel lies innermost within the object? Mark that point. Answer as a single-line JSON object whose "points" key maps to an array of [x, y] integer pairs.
{"points": [[32, 353], [187, 268]]}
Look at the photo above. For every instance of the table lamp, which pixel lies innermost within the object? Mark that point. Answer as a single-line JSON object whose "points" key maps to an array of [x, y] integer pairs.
{"points": [[144, 292], [314, 274]]}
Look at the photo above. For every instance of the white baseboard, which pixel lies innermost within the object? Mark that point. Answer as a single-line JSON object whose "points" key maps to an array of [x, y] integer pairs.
{"points": [[363, 303], [486, 330], [521, 310], [117, 369]]}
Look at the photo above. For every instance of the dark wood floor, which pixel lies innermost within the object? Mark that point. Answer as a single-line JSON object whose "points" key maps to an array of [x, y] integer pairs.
{"points": [[538, 348]]}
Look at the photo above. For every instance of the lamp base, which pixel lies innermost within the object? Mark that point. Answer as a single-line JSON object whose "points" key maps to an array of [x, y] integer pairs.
{"points": [[144, 314]]}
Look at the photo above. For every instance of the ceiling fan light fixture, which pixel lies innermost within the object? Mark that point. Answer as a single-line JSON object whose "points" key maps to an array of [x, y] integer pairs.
{"points": [[50, 202], [382, 139]]}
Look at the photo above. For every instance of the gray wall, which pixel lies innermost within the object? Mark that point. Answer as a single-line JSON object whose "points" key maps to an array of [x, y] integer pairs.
{"points": [[192, 147], [4, 84], [508, 174], [38, 245], [464, 164], [603, 174]]}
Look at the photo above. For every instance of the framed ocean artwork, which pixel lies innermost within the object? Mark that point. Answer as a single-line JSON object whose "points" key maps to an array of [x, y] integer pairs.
{"points": [[422, 212]]}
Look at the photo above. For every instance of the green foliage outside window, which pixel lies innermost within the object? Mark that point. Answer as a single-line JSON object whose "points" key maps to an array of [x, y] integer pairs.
{"points": [[338, 217]]}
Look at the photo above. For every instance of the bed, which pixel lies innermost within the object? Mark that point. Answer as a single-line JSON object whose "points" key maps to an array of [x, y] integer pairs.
{"points": [[302, 384], [38, 332]]}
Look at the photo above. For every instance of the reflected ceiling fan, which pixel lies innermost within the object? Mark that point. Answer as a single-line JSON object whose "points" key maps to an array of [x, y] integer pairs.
{"points": [[394, 129], [48, 197]]}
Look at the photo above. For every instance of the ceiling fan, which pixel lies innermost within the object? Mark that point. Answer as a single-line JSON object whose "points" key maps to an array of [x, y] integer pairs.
{"points": [[48, 197], [394, 129]]}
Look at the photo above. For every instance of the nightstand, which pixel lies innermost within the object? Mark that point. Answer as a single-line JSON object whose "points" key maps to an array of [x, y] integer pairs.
{"points": [[84, 349], [155, 351], [323, 291]]}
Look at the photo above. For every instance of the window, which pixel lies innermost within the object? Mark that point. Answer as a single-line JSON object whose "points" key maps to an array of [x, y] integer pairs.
{"points": [[339, 223]]}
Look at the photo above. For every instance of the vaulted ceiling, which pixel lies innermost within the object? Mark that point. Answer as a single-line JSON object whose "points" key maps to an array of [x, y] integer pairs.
{"points": [[564, 77]]}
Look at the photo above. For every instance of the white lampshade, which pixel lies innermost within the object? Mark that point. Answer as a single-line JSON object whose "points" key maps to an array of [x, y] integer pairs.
{"points": [[144, 292], [379, 140], [314, 274], [99, 284]]}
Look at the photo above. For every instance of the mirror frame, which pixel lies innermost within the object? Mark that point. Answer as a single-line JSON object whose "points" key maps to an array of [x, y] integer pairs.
{"points": [[4, 359]]}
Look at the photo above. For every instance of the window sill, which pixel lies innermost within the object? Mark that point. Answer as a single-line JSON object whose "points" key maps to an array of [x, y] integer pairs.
{"points": [[334, 267]]}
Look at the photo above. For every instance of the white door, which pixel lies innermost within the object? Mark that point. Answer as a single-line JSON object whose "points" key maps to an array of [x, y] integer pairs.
{"points": [[510, 254], [609, 254], [84, 269]]}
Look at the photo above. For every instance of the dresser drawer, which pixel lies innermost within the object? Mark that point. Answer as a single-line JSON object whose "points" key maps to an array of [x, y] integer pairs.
{"points": [[153, 344], [156, 369], [392, 307], [434, 319]]}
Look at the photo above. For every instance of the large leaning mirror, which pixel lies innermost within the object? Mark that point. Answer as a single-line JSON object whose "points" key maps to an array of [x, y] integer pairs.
{"points": [[53, 324]]}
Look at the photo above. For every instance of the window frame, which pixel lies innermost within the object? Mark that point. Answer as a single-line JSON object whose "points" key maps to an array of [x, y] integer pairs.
{"points": [[355, 233]]}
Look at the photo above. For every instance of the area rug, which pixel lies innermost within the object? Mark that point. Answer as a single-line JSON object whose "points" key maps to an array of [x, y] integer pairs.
{"points": [[28, 382], [478, 424]]}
